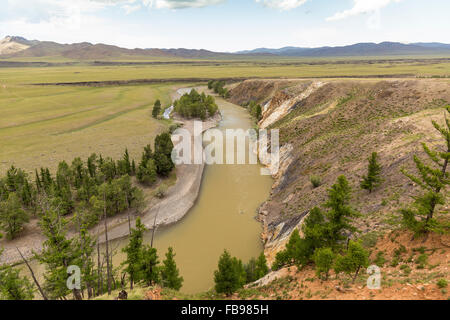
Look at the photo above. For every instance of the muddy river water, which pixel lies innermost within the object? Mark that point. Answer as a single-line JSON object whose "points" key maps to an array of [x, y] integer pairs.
{"points": [[222, 218]]}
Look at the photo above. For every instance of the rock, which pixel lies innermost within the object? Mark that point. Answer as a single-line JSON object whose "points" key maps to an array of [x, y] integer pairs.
{"points": [[123, 295]]}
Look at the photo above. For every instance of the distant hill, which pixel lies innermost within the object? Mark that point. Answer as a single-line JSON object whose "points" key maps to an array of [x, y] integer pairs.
{"points": [[11, 45], [21, 47], [359, 49]]}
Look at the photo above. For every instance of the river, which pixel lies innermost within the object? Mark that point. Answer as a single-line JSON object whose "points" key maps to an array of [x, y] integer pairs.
{"points": [[223, 217]]}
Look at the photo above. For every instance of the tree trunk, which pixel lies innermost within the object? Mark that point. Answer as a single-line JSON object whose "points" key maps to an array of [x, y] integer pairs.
{"points": [[356, 274], [36, 282], [99, 270], [77, 294], [108, 270]]}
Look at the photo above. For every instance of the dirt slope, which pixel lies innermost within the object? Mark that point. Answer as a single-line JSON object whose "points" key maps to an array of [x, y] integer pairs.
{"points": [[332, 130]]}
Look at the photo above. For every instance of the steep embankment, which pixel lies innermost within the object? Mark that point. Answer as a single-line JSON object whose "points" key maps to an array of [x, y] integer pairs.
{"points": [[329, 128]]}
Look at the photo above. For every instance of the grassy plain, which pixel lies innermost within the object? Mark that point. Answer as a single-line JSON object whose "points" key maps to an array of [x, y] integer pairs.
{"points": [[289, 68], [42, 125]]}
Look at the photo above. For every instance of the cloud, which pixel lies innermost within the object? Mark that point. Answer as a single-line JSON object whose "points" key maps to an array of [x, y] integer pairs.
{"points": [[180, 4], [132, 5], [282, 4], [360, 7]]}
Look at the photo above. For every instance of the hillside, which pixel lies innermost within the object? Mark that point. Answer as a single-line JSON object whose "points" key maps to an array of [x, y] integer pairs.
{"points": [[18, 47], [359, 49], [329, 128]]}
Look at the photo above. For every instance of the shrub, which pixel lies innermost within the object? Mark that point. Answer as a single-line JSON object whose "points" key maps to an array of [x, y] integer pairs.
{"points": [[316, 181], [162, 191], [442, 283]]}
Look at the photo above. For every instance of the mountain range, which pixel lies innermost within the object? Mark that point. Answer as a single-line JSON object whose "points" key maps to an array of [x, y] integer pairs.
{"points": [[14, 46]]}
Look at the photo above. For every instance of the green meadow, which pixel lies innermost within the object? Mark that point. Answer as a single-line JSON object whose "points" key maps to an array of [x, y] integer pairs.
{"points": [[42, 125]]}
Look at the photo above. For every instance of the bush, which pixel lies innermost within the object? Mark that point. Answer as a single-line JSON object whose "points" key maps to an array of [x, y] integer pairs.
{"points": [[162, 191], [380, 260], [316, 181], [442, 283]]}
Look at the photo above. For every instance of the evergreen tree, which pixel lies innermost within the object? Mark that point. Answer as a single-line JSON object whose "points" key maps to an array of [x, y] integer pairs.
{"points": [[433, 180], [230, 275], [164, 165], [156, 109], [372, 179], [323, 258], [134, 252], [13, 286], [164, 144], [340, 213], [261, 266], [12, 216], [92, 165], [256, 268], [170, 275], [150, 266], [147, 172], [86, 244], [58, 253], [352, 262], [126, 159]]}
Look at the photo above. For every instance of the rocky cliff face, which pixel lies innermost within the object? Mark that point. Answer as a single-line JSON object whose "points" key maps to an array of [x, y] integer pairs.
{"points": [[329, 128]]}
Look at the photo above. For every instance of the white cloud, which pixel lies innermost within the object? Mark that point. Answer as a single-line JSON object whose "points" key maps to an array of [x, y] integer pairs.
{"points": [[360, 7], [132, 5], [282, 4], [180, 4]]}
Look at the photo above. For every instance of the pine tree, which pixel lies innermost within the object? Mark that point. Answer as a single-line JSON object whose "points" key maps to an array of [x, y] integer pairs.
{"points": [[13, 286], [12, 216], [150, 269], [230, 275], [156, 109], [339, 212], [432, 179], [126, 160], [86, 244], [352, 262], [164, 165], [134, 253], [58, 253], [323, 258], [372, 179], [170, 275], [261, 266]]}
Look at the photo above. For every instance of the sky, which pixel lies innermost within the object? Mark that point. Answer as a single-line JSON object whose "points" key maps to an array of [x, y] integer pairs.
{"points": [[226, 25]]}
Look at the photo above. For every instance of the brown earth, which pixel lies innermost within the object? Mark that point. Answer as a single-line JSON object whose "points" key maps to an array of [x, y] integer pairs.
{"points": [[406, 281], [336, 128]]}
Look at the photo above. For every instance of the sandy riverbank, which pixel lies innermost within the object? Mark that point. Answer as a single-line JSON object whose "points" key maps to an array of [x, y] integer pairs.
{"points": [[179, 200]]}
